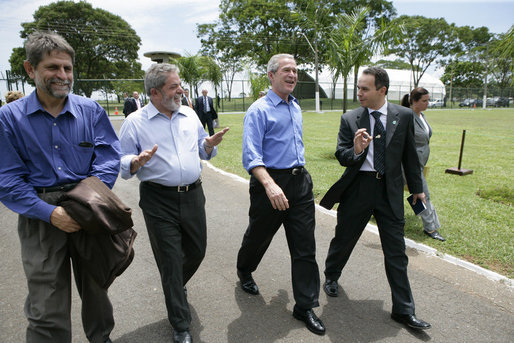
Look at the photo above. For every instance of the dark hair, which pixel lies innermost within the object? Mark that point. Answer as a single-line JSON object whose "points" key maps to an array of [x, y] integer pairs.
{"points": [[381, 77], [39, 44], [415, 95]]}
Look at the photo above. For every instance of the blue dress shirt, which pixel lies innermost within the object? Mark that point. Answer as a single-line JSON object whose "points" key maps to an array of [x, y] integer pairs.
{"points": [[272, 134], [39, 150], [180, 139]]}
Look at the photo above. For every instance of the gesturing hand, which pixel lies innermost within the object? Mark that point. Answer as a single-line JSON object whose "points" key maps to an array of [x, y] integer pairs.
{"points": [[361, 141], [216, 138], [141, 159]]}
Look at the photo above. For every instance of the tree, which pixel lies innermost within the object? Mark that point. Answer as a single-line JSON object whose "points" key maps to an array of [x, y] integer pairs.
{"points": [[191, 71], [464, 74], [105, 44], [425, 41], [349, 46], [212, 73], [258, 82], [259, 29], [396, 64]]}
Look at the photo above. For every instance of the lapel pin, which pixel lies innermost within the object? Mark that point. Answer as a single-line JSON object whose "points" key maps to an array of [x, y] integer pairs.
{"points": [[394, 122]]}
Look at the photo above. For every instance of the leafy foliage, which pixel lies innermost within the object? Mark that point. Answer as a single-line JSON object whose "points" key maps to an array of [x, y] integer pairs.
{"points": [[426, 40], [105, 44]]}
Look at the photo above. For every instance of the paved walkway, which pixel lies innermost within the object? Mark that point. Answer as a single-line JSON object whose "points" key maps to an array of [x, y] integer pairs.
{"points": [[462, 305]]}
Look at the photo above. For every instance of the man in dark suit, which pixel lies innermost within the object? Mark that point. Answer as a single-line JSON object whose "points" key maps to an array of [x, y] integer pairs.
{"points": [[186, 100], [132, 104], [204, 108], [372, 184]]}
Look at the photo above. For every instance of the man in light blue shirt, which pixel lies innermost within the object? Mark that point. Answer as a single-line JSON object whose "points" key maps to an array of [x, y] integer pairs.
{"points": [[280, 190], [162, 144]]}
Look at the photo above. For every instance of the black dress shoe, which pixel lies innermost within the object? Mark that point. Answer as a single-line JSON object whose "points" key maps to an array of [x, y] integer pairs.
{"points": [[331, 288], [411, 321], [312, 322], [182, 337], [435, 235], [247, 283]]}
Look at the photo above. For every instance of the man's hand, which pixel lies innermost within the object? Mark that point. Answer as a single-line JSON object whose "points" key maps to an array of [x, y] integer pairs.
{"points": [[61, 220], [275, 194], [215, 139], [420, 196], [141, 159], [277, 197], [361, 141]]}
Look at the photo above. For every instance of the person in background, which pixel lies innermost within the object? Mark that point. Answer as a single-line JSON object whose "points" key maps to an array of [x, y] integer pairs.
{"points": [[418, 101], [12, 96], [261, 94], [162, 144], [204, 107], [186, 100], [372, 185], [49, 141], [132, 104], [280, 190]]}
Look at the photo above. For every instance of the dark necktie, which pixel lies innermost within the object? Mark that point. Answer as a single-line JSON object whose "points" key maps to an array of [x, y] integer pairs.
{"points": [[378, 144]]}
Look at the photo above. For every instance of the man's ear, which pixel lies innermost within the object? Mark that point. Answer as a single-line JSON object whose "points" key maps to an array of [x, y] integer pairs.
{"points": [[29, 69]]}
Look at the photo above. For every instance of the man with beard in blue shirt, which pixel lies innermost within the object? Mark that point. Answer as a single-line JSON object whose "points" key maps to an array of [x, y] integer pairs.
{"points": [[50, 141]]}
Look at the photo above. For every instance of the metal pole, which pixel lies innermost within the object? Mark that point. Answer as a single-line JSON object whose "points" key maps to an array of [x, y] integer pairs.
{"points": [[461, 148]]}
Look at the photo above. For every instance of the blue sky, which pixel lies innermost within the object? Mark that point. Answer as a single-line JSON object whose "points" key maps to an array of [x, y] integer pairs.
{"points": [[170, 25]]}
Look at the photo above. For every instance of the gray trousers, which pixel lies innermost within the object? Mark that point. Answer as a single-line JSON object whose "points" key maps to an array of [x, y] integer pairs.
{"points": [[428, 216], [46, 260]]}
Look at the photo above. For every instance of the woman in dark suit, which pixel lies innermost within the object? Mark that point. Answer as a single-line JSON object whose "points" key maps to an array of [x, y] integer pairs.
{"points": [[418, 101]]}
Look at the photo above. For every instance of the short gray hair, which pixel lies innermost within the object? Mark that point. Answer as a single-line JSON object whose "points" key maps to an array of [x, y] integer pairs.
{"points": [[275, 60], [39, 44], [157, 74]]}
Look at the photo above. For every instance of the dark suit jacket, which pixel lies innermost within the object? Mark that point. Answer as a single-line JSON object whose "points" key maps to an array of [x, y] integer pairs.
{"points": [[199, 109], [185, 103], [131, 106], [400, 149]]}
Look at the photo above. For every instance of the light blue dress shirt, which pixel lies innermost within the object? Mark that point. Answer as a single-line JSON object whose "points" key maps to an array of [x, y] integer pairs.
{"points": [[272, 134], [39, 150], [180, 143]]}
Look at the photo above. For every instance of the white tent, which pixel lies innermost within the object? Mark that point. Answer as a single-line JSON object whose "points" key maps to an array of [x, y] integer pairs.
{"points": [[400, 83]]}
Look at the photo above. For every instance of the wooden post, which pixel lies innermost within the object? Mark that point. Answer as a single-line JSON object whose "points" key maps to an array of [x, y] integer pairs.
{"points": [[458, 170]]}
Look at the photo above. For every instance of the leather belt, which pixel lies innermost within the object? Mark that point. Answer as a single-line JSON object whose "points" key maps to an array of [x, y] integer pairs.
{"points": [[178, 189], [375, 174], [293, 171], [62, 188]]}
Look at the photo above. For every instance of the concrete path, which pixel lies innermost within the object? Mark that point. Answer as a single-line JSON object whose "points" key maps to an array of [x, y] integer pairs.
{"points": [[461, 305]]}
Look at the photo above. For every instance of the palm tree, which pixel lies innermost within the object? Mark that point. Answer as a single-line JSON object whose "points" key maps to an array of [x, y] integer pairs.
{"points": [[191, 71], [350, 46]]}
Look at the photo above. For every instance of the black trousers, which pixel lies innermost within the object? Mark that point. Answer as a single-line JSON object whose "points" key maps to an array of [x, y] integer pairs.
{"points": [[299, 224], [177, 230], [367, 196], [207, 119]]}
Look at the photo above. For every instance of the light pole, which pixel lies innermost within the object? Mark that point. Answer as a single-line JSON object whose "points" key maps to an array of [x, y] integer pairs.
{"points": [[315, 50]]}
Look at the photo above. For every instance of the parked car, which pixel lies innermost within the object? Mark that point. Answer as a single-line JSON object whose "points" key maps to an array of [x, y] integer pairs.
{"points": [[499, 101], [471, 102], [435, 103]]}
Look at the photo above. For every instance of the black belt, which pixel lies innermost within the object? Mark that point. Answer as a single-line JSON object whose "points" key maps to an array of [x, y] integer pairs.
{"points": [[375, 174], [293, 171], [62, 188], [178, 189]]}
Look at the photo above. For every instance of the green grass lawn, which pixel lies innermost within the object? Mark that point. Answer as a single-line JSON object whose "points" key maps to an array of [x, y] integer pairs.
{"points": [[475, 211]]}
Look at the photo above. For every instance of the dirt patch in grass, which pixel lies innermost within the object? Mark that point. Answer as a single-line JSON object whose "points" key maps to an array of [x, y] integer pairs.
{"points": [[503, 195]]}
